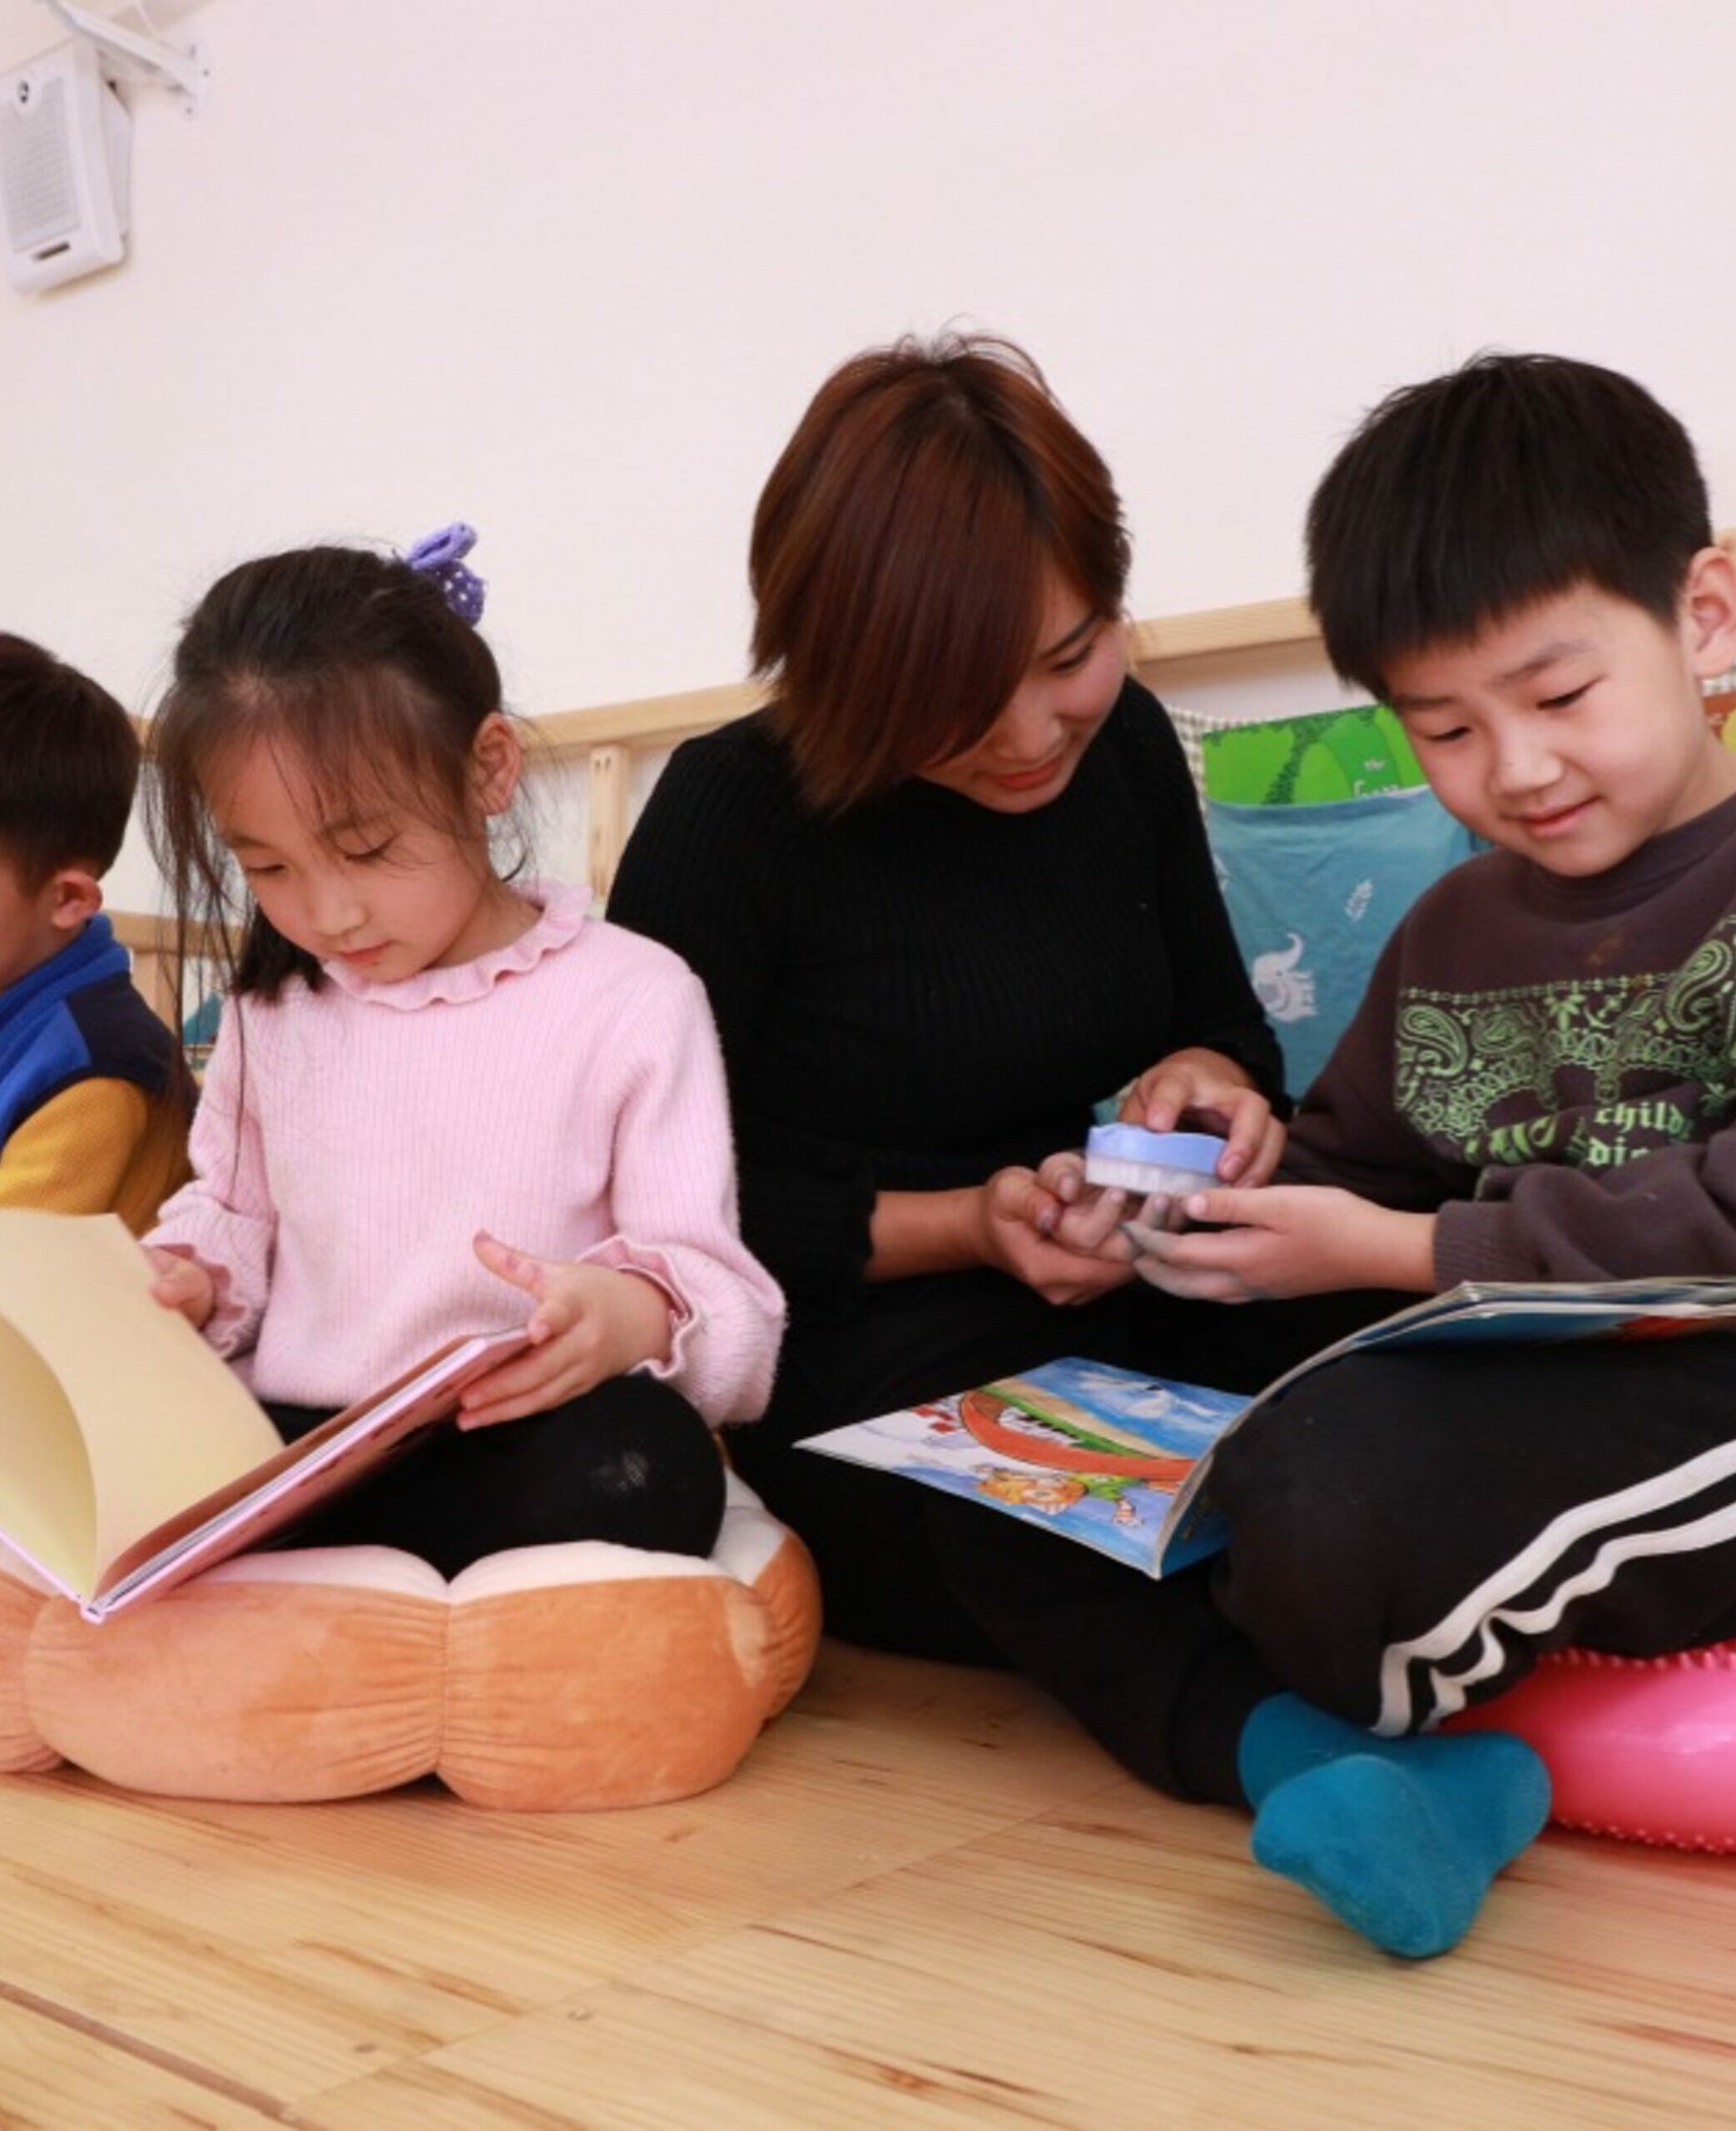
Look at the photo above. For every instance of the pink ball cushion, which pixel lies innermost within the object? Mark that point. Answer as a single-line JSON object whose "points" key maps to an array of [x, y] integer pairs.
{"points": [[1640, 1747]]}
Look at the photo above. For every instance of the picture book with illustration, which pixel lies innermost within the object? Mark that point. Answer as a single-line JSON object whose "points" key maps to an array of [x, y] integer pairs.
{"points": [[131, 1454], [1121, 1462]]}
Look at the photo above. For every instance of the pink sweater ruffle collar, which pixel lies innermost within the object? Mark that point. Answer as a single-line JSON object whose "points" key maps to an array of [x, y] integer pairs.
{"points": [[561, 913]]}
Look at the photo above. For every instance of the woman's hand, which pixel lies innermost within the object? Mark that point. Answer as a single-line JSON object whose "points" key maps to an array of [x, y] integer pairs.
{"points": [[1286, 1239], [1066, 1253], [1092, 1218], [183, 1284], [591, 1323], [1207, 1092]]}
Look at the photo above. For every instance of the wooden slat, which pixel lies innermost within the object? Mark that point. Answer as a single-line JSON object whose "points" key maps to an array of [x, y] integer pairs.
{"points": [[609, 733], [1263, 625], [606, 815], [142, 929], [153, 942], [649, 721]]}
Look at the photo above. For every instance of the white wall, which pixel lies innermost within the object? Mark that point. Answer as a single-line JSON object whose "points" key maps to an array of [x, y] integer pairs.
{"points": [[573, 271]]}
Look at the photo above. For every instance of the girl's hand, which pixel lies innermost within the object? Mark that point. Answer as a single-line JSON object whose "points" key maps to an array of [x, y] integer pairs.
{"points": [[182, 1284], [1207, 1092], [1059, 1262], [591, 1323], [1286, 1239]]}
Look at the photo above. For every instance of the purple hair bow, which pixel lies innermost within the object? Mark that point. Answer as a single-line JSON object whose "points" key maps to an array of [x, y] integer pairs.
{"points": [[441, 556]]}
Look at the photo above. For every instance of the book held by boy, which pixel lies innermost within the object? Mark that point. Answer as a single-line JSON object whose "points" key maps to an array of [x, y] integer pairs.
{"points": [[131, 1455], [1122, 1462]]}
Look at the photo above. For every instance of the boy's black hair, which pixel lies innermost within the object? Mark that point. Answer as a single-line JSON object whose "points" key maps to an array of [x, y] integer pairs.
{"points": [[69, 766], [1459, 501]]}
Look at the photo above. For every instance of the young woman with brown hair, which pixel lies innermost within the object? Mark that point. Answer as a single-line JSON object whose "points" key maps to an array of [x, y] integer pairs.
{"points": [[948, 890]]}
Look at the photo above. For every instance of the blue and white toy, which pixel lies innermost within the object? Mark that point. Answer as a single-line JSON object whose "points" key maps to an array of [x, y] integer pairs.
{"points": [[1172, 1163]]}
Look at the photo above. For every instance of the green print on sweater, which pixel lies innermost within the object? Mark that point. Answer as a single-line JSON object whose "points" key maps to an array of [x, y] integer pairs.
{"points": [[1588, 1072], [1594, 1139]]}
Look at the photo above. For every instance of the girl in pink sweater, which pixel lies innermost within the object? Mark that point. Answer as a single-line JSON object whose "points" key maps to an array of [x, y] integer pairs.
{"points": [[442, 1095]]}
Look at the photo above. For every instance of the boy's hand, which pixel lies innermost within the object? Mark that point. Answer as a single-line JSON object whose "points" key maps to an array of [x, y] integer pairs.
{"points": [[1207, 1092], [1024, 1230], [182, 1284], [591, 1323], [1286, 1240]]}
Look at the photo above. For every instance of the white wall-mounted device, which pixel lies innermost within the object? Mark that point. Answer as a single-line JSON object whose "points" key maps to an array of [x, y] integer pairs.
{"points": [[65, 150], [65, 141]]}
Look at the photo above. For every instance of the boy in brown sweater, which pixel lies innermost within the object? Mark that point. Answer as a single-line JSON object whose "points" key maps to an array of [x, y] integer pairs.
{"points": [[1541, 1084], [93, 1113]]}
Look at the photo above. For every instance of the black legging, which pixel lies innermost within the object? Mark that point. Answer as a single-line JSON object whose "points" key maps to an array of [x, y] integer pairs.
{"points": [[1410, 1531], [630, 1462]]}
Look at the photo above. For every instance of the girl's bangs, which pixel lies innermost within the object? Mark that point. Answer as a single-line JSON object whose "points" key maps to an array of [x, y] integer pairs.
{"points": [[361, 746]]}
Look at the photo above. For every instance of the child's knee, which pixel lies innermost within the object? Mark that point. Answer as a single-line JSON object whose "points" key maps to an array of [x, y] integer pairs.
{"points": [[1288, 1489], [1318, 1534], [1332, 1469], [651, 1460]]}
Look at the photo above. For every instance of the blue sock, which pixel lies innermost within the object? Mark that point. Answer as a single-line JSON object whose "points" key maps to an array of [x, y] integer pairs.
{"points": [[1400, 1838]]}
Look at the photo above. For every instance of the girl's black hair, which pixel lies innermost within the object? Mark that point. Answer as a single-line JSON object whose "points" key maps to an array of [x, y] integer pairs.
{"points": [[1459, 501], [352, 663]]}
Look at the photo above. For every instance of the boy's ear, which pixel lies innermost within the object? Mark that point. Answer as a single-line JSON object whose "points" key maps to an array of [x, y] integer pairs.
{"points": [[72, 898], [498, 758], [1710, 606]]}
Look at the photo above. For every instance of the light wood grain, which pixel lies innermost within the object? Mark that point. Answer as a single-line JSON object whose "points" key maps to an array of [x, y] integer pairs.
{"points": [[925, 1901]]}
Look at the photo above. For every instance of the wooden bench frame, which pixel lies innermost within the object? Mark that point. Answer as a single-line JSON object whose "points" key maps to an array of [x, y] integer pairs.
{"points": [[610, 735]]}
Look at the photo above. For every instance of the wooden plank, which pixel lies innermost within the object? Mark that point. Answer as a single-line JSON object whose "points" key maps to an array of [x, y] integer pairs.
{"points": [[1215, 632], [56, 2072], [606, 808], [283, 1950], [925, 1904], [1115, 1965], [150, 933], [649, 721], [152, 941]]}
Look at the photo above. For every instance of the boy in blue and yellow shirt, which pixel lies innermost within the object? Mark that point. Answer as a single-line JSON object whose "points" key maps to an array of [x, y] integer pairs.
{"points": [[93, 1108]]}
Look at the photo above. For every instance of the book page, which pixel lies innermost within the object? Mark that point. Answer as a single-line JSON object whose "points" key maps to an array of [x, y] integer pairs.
{"points": [[47, 1501], [163, 1420]]}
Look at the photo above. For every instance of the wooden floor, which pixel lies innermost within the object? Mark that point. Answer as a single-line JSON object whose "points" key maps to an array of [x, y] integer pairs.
{"points": [[925, 1901]]}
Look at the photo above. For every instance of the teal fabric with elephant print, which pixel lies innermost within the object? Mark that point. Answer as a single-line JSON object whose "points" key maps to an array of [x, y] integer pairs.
{"points": [[1324, 834]]}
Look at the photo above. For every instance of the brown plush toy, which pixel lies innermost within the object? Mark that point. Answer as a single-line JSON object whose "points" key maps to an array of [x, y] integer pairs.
{"points": [[551, 1678]]}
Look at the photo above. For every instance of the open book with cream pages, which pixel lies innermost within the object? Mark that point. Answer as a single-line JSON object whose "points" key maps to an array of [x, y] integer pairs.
{"points": [[131, 1456], [1122, 1462]]}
